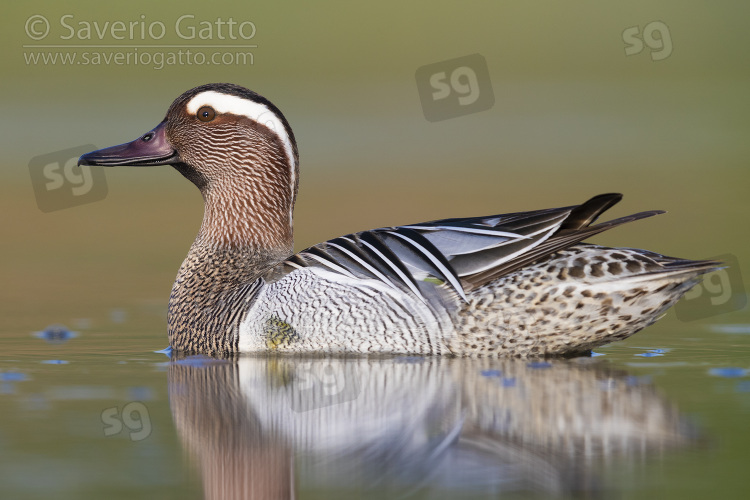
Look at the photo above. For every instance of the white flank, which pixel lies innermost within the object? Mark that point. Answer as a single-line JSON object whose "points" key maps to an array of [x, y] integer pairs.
{"points": [[303, 287], [226, 103]]}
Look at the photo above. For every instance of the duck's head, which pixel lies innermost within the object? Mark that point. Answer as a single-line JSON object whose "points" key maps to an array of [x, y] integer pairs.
{"points": [[237, 147]]}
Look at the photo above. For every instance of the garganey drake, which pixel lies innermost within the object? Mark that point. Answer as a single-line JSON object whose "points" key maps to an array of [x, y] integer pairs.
{"points": [[518, 284]]}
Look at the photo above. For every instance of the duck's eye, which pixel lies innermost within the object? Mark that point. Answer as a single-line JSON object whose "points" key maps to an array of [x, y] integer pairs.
{"points": [[206, 114]]}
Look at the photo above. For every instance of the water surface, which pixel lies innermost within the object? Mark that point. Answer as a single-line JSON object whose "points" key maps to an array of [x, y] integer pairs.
{"points": [[662, 414]]}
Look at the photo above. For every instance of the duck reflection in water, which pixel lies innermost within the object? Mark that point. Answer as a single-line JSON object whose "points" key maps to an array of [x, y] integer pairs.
{"points": [[268, 427]]}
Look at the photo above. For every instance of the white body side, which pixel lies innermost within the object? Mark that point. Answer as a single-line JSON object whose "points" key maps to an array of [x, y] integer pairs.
{"points": [[323, 311]]}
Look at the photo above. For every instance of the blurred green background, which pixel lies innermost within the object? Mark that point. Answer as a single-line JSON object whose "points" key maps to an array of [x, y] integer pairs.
{"points": [[574, 116]]}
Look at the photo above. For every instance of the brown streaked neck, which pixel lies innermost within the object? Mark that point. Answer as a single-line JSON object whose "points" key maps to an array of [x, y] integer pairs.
{"points": [[246, 230], [246, 217], [247, 212]]}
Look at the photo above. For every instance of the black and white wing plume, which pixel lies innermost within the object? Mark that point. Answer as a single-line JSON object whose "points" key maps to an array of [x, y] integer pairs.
{"points": [[458, 254]]}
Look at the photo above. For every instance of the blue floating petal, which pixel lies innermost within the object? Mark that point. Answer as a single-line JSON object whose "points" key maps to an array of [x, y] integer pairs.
{"points": [[729, 372], [509, 382], [56, 334], [55, 362], [649, 354], [13, 377], [491, 373], [167, 351]]}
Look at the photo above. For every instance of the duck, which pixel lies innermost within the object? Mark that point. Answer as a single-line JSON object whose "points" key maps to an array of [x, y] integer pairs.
{"points": [[521, 284]]}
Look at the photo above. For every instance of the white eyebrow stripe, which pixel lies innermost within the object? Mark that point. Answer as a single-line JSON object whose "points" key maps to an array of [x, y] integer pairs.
{"points": [[227, 103]]}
